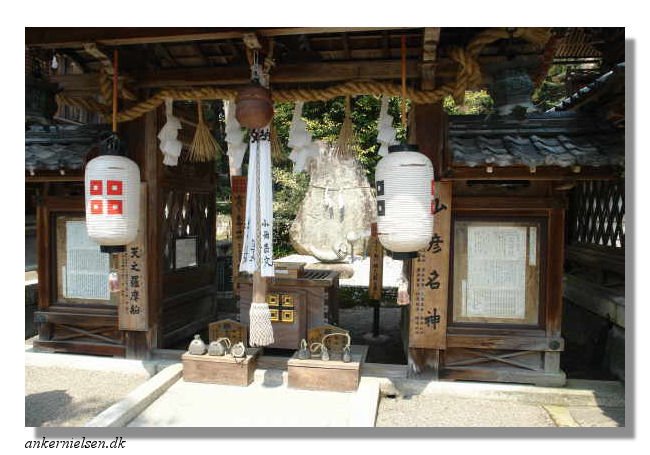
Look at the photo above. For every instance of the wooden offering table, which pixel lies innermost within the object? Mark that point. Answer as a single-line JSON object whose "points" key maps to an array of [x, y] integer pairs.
{"points": [[334, 375], [226, 370]]}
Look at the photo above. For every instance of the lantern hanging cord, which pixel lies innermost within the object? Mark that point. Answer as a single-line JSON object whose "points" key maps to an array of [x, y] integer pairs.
{"points": [[469, 75], [404, 82], [115, 91]]}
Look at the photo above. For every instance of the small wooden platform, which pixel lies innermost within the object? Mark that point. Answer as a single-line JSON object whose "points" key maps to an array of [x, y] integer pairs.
{"points": [[225, 370], [334, 375]]}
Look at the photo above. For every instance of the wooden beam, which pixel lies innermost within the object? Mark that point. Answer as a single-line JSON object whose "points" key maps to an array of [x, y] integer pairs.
{"points": [[295, 73], [163, 53], [51, 177], [239, 75], [429, 57], [523, 173], [75, 37]]}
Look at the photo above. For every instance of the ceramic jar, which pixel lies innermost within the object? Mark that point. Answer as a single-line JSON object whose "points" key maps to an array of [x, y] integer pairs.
{"points": [[197, 346]]}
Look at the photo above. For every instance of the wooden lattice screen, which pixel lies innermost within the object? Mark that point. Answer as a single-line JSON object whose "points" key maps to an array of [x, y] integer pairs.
{"points": [[188, 214], [597, 215]]}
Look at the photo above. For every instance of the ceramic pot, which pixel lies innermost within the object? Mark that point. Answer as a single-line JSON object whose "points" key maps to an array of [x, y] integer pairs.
{"points": [[197, 346], [238, 350], [219, 347]]}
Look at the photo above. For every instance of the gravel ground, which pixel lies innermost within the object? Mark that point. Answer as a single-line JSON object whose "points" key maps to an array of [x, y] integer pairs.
{"points": [[388, 348], [442, 411], [66, 397], [590, 416]]}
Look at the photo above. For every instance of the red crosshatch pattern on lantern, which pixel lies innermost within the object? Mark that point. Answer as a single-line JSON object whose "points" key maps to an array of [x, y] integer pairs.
{"points": [[96, 187], [114, 207], [96, 207], [114, 187]]}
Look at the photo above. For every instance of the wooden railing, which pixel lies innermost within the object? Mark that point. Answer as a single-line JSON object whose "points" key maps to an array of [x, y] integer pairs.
{"points": [[597, 214]]}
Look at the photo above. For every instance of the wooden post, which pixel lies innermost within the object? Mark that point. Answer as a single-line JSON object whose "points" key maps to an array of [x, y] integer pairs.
{"points": [[554, 291], [376, 254], [424, 349], [152, 173], [375, 286]]}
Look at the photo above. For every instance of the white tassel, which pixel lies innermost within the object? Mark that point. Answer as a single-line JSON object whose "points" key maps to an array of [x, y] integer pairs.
{"points": [[234, 139], [385, 131], [170, 146], [303, 149], [261, 330]]}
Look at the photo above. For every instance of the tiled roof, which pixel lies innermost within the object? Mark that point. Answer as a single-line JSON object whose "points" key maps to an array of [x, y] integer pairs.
{"points": [[60, 147], [612, 80], [557, 139]]}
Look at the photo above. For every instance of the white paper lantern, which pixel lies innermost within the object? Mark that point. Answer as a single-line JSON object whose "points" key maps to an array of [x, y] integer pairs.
{"points": [[112, 188], [404, 183]]}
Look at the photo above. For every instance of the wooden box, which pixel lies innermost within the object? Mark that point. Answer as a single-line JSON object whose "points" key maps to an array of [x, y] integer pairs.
{"points": [[225, 370], [333, 375], [289, 269], [314, 303]]}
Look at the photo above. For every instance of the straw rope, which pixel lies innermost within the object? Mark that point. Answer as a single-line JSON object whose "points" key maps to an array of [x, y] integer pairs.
{"points": [[469, 75]]}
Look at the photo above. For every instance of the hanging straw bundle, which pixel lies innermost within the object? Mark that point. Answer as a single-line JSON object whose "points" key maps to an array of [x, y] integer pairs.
{"points": [[346, 145], [276, 148], [204, 146]]}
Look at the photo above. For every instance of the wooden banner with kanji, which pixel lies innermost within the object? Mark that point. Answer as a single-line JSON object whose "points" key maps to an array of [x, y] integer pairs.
{"points": [[376, 254], [238, 214], [430, 279], [133, 306]]}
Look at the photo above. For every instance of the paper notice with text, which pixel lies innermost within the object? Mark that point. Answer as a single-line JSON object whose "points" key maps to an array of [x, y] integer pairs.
{"points": [[86, 270], [496, 272]]}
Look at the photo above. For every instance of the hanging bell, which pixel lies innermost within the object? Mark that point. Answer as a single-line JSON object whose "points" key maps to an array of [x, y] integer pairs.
{"points": [[254, 106]]}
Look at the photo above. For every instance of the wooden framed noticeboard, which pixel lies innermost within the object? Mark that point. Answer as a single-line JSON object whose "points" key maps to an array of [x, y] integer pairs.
{"points": [[133, 308], [497, 271]]}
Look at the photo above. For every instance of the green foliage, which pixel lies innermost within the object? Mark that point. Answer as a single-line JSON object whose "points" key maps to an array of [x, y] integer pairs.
{"points": [[553, 89], [476, 103], [288, 192]]}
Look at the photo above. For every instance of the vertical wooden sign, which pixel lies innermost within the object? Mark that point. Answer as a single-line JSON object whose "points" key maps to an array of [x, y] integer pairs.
{"points": [[133, 306], [430, 279], [238, 215], [376, 253]]}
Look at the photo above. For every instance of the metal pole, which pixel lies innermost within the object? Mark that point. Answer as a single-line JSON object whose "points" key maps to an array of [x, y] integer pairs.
{"points": [[375, 318]]}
